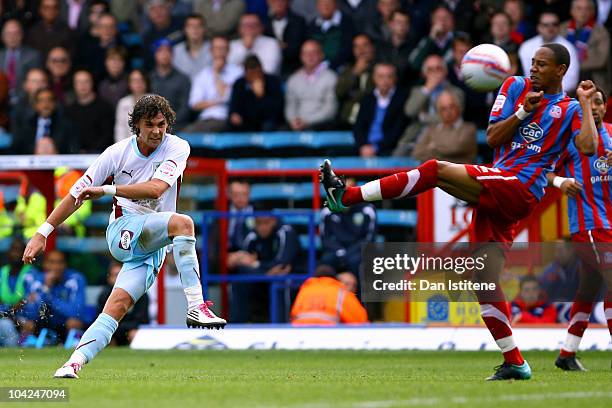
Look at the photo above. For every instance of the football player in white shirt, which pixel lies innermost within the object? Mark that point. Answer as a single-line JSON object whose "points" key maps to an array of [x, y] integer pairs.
{"points": [[146, 171]]}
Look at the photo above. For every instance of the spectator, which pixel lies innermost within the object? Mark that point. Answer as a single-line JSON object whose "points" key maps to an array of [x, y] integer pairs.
{"points": [[163, 25], [272, 250], [169, 83], [15, 281], [521, 28], [362, 13], [529, 307], [420, 106], [475, 102], [381, 120], [501, 33], [211, 90], [138, 86], [592, 41], [50, 32], [138, 314], [289, 29], [35, 79], [452, 139], [252, 41], [222, 16], [95, 9], [548, 32], [310, 101], [560, 279], [115, 85], [4, 101], [192, 55], [57, 300], [380, 28], [75, 14], [16, 59], [343, 234], [334, 31], [239, 226], [323, 300], [559, 7], [256, 104], [91, 51], [59, 64], [399, 46], [355, 81], [47, 123], [438, 42], [90, 114]]}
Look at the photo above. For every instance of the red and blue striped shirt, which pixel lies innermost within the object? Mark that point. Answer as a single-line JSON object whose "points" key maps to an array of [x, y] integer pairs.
{"points": [[592, 208], [540, 139]]}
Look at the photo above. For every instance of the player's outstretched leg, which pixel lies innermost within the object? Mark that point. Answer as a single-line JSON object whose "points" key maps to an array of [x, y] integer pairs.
{"points": [[398, 185], [199, 313]]}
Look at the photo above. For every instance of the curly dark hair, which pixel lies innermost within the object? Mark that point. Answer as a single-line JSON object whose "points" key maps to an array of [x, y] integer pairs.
{"points": [[148, 107]]}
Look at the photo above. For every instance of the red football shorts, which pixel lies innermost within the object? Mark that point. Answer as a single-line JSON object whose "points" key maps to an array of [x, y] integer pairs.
{"points": [[594, 248], [504, 201]]}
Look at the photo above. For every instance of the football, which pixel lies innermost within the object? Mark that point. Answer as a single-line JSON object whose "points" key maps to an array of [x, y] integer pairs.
{"points": [[485, 67]]}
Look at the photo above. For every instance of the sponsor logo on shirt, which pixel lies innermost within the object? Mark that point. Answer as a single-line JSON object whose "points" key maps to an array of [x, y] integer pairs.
{"points": [[82, 183], [531, 133], [167, 168], [601, 165], [555, 112], [125, 239]]}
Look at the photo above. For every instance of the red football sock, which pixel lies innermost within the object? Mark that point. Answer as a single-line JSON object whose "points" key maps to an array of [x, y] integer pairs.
{"points": [[495, 312], [608, 310], [396, 185], [579, 321]]}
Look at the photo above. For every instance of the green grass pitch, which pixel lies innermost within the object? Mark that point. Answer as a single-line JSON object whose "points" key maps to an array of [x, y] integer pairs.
{"points": [[121, 377]]}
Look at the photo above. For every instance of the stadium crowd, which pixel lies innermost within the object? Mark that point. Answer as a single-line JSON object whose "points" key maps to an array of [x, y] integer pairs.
{"points": [[387, 70]]}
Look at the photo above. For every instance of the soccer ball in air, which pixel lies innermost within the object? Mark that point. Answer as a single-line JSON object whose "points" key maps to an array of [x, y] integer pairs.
{"points": [[485, 67]]}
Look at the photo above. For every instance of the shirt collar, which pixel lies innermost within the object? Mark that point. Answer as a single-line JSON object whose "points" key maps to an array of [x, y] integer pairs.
{"points": [[383, 101], [327, 24]]}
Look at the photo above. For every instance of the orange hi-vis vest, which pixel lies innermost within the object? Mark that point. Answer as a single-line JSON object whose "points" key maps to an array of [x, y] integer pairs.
{"points": [[324, 300]]}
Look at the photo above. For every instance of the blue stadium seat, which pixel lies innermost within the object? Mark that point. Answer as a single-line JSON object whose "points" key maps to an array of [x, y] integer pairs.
{"points": [[270, 140]]}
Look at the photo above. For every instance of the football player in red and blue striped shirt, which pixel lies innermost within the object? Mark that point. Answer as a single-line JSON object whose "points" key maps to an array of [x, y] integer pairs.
{"points": [[590, 220], [531, 123]]}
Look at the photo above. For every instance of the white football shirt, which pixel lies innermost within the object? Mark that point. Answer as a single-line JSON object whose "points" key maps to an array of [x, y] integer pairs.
{"points": [[123, 164]]}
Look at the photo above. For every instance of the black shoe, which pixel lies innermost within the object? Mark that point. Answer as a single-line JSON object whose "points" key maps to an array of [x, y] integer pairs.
{"points": [[508, 371], [569, 363], [334, 186]]}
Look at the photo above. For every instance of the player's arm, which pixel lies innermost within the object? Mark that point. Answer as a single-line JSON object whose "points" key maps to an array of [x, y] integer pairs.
{"points": [[568, 186], [502, 132], [586, 140], [152, 189]]}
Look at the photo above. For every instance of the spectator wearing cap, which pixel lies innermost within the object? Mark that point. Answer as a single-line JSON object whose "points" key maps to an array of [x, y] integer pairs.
{"points": [[163, 25], [16, 59], [592, 41], [138, 86], [89, 112], [381, 120], [222, 16], [334, 31], [211, 90], [169, 83], [91, 51], [50, 31], [289, 29], [192, 55], [310, 100], [256, 103], [115, 85], [253, 42]]}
